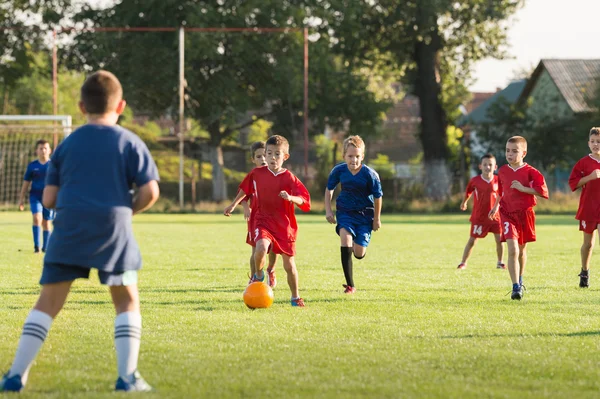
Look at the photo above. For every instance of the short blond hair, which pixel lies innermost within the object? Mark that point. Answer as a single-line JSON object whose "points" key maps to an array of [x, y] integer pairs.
{"points": [[279, 141], [518, 140], [355, 141]]}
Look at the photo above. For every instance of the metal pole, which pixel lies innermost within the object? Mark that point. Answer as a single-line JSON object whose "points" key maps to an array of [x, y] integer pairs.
{"points": [[181, 110], [305, 114], [54, 84]]}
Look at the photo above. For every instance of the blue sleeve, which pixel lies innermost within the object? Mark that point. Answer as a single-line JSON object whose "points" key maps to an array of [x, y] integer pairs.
{"points": [[334, 178], [28, 176], [141, 167], [376, 185], [52, 175]]}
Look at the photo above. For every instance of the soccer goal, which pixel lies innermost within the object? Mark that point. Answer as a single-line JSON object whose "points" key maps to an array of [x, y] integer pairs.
{"points": [[18, 135]]}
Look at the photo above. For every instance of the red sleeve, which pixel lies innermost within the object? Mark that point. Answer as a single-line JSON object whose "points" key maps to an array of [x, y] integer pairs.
{"points": [[576, 175], [470, 189], [500, 190], [300, 190], [538, 183], [246, 185]]}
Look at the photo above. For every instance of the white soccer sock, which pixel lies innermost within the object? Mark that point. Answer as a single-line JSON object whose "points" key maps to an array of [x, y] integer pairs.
{"points": [[34, 333], [128, 333]]}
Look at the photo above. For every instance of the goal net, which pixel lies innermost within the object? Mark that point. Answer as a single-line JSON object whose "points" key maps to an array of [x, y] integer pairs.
{"points": [[18, 135]]}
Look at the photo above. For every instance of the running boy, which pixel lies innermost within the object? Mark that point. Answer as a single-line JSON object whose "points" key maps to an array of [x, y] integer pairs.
{"points": [[89, 182], [485, 187], [518, 185], [358, 207], [35, 181], [275, 191], [585, 174], [258, 150]]}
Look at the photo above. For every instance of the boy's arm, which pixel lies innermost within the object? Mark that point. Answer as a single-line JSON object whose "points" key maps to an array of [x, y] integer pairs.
{"points": [[146, 197], [377, 218], [538, 185], [328, 212], [494, 211], [49, 196], [24, 189], [586, 179], [240, 195], [246, 207], [463, 204]]}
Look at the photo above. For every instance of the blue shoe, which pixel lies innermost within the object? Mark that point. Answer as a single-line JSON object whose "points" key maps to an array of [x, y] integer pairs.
{"points": [[297, 302], [517, 293], [134, 383], [12, 384]]}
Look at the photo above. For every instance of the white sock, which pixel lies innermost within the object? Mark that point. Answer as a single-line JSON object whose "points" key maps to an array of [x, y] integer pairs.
{"points": [[34, 334], [128, 333]]}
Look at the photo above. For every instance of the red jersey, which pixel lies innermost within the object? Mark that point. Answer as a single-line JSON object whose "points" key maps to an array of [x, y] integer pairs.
{"points": [[589, 200], [269, 210], [512, 199], [485, 193]]}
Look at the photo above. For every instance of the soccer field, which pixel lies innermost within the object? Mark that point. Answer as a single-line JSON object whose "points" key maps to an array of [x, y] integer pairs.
{"points": [[416, 327]]}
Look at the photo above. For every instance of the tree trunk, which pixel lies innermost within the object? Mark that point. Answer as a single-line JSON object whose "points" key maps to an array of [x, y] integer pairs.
{"points": [[215, 155], [433, 134]]}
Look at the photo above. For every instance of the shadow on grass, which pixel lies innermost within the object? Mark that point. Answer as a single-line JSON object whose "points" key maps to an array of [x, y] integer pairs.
{"points": [[538, 335], [191, 290]]}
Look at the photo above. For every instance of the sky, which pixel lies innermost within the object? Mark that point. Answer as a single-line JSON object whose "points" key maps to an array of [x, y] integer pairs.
{"points": [[544, 29]]}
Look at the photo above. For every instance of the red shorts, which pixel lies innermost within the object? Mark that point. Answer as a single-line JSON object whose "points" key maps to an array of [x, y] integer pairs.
{"points": [[277, 246], [481, 230], [588, 226], [519, 225]]}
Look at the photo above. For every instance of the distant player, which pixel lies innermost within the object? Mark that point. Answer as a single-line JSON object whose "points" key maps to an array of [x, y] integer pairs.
{"points": [[485, 188], [358, 207], [585, 174], [275, 191], [518, 185], [89, 182], [258, 150], [34, 181]]}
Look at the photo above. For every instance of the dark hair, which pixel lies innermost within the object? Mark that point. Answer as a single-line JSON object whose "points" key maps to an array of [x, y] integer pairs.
{"points": [[41, 142], [279, 140], [487, 156], [101, 93], [257, 145], [595, 131]]}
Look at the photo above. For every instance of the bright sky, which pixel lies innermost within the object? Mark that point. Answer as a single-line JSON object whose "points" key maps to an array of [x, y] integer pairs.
{"points": [[544, 29]]}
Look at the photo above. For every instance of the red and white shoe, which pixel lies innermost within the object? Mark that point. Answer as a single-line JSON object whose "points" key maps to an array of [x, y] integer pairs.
{"points": [[500, 265], [348, 289], [297, 302], [462, 266], [272, 278]]}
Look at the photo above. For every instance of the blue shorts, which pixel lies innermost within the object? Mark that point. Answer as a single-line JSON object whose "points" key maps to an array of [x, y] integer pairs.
{"points": [[35, 203], [358, 223], [59, 273]]}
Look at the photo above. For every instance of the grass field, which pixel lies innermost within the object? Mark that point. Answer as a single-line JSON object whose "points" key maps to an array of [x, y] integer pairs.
{"points": [[415, 328]]}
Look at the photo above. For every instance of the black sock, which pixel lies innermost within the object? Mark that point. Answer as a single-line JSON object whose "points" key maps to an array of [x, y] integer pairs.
{"points": [[347, 264], [584, 272]]}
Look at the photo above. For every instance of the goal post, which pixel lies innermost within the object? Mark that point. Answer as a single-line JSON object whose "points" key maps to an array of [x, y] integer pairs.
{"points": [[18, 135]]}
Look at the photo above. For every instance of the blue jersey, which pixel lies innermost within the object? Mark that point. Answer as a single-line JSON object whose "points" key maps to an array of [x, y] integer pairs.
{"points": [[358, 191], [95, 168], [36, 174]]}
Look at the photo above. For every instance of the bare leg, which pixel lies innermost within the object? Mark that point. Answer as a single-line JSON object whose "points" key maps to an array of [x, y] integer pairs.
{"points": [[53, 297], [468, 249], [522, 259], [499, 248], [586, 250], [513, 260], [260, 255], [289, 264], [272, 260], [125, 298], [252, 264]]}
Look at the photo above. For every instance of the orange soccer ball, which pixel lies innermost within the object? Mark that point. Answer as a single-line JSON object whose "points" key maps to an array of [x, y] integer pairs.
{"points": [[258, 295]]}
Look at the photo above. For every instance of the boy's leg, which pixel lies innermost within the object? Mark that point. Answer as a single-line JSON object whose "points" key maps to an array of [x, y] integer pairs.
{"points": [[513, 260], [522, 261], [36, 227], [586, 250], [289, 264], [346, 250], [37, 325], [45, 233], [128, 328], [499, 248], [252, 264], [260, 255], [467, 252], [271, 269]]}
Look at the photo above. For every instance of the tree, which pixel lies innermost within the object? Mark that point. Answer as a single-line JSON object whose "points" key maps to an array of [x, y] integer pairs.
{"points": [[233, 79]]}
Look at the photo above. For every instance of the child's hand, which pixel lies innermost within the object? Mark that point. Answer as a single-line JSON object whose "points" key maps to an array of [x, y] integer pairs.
{"points": [[330, 217], [376, 224], [463, 206], [229, 210], [492, 214], [21, 206], [247, 213], [517, 185], [594, 175], [284, 194]]}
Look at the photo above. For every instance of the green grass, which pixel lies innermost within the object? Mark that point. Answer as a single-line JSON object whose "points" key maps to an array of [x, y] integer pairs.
{"points": [[415, 328]]}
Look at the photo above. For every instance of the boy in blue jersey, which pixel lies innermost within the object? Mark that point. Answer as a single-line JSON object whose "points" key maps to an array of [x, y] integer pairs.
{"points": [[34, 182], [358, 207], [89, 182]]}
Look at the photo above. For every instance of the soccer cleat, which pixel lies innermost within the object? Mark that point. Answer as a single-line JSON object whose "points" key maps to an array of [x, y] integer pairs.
{"points": [[272, 278], [298, 302], [348, 289], [500, 265], [462, 266], [12, 384], [36, 250], [584, 279], [517, 293], [254, 279], [133, 383]]}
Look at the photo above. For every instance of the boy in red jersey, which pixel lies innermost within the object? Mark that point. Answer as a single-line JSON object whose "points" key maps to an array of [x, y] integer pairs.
{"points": [[485, 187], [258, 151], [585, 174], [518, 185], [275, 191]]}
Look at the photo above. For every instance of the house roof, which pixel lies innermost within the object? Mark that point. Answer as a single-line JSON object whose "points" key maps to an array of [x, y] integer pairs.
{"points": [[479, 115], [577, 81]]}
